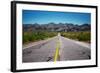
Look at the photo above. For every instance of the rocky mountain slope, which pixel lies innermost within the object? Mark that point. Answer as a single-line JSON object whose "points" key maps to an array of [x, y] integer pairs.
{"points": [[61, 27]]}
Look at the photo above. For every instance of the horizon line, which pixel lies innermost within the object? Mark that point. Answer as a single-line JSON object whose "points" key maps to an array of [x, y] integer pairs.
{"points": [[54, 23]]}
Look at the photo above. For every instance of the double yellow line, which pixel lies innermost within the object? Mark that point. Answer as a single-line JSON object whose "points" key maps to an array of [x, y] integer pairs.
{"points": [[56, 55]]}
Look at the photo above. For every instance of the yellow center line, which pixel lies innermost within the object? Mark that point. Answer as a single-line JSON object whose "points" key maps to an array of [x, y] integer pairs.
{"points": [[57, 51]]}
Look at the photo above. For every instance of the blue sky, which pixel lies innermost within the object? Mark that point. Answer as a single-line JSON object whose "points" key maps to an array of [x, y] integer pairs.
{"points": [[44, 17]]}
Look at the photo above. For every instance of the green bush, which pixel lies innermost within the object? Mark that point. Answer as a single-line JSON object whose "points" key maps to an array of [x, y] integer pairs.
{"points": [[36, 36], [84, 36], [81, 36]]}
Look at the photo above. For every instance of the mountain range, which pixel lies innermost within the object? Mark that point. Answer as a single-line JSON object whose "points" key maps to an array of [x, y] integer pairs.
{"points": [[60, 27]]}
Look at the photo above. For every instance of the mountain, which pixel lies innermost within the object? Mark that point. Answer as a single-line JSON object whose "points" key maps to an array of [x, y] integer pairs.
{"points": [[61, 27]]}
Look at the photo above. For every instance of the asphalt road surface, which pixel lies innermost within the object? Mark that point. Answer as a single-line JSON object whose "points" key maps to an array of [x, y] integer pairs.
{"points": [[57, 49]]}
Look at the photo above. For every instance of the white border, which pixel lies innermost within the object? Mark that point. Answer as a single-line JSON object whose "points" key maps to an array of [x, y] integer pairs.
{"points": [[21, 65]]}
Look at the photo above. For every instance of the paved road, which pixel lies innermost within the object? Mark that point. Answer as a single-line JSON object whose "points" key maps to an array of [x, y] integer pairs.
{"points": [[57, 49], [71, 50]]}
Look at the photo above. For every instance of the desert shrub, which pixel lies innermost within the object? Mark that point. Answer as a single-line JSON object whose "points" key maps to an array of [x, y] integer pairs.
{"points": [[81, 36], [36, 36], [84, 36]]}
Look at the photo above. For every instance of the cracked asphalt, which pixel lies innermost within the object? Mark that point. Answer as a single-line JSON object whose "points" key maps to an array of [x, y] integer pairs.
{"points": [[45, 52]]}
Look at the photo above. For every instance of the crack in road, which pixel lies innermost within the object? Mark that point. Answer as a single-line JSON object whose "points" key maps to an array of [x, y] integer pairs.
{"points": [[49, 59]]}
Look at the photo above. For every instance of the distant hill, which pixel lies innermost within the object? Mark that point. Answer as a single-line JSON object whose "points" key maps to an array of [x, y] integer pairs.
{"points": [[61, 27]]}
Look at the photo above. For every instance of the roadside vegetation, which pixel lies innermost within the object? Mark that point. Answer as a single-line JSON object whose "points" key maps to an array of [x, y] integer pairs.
{"points": [[36, 36], [80, 36], [41, 35]]}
